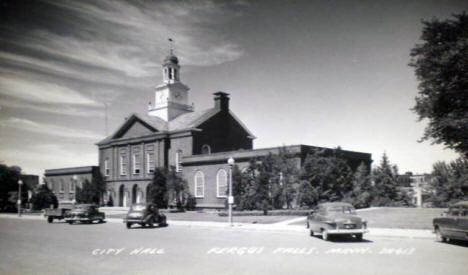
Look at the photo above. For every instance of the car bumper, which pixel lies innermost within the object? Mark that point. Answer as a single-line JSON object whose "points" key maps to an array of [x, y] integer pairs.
{"points": [[347, 231], [135, 220], [78, 219]]}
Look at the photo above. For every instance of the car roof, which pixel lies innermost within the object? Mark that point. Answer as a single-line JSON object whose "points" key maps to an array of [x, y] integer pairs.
{"points": [[334, 204], [461, 203]]}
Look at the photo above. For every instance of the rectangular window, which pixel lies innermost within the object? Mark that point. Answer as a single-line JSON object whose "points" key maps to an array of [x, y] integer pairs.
{"points": [[150, 162], [123, 164], [106, 167], [72, 187], [136, 164], [178, 159], [62, 187]]}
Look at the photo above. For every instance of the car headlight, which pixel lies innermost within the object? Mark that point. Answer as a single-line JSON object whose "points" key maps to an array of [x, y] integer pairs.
{"points": [[331, 223]]}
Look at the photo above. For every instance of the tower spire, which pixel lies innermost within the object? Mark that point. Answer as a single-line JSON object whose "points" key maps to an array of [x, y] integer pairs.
{"points": [[171, 46]]}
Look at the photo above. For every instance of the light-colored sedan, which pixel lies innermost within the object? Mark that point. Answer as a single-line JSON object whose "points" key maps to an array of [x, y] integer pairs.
{"points": [[453, 224], [336, 218]]}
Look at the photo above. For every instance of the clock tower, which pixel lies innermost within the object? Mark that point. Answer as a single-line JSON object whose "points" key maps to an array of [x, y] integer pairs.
{"points": [[171, 97]]}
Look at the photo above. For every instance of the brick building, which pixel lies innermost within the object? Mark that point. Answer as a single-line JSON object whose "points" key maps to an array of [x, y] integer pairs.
{"points": [[172, 133]]}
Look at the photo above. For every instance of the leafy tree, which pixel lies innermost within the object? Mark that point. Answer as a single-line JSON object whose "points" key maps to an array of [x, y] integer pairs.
{"points": [[158, 188], [361, 195], [449, 182], [91, 192], [176, 186], [441, 66], [324, 177], [9, 177], [43, 198]]}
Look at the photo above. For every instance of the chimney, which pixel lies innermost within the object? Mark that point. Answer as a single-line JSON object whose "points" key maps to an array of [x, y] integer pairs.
{"points": [[221, 101]]}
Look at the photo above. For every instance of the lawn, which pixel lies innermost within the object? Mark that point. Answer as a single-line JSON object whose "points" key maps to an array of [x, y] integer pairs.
{"points": [[396, 217], [214, 217]]}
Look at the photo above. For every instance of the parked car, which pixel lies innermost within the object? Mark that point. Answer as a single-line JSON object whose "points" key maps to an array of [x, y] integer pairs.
{"points": [[453, 224], [144, 214], [336, 218], [85, 213]]}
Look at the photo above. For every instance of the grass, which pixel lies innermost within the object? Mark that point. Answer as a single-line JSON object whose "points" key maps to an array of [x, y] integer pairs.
{"points": [[397, 217]]}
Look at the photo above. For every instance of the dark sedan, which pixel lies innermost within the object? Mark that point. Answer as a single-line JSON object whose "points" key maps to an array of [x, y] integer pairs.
{"points": [[453, 224], [85, 213], [144, 214], [336, 218]]}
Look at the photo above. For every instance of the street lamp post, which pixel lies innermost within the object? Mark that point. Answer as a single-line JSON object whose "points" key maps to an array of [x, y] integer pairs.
{"points": [[230, 197], [20, 183], [75, 181]]}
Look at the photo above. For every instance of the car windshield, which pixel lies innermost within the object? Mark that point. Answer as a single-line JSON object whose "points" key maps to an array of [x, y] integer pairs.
{"points": [[139, 207], [341, 209]]}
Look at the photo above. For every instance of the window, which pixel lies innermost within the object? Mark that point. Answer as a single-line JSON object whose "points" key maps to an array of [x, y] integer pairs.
{"points": [[221, 183], [72, 187], [170, 73], [464, 211], [205, 149], [106, 167], [123, 164], [178, 159], [150, 162], [136, 163], [454, 211], [62, 187], [199, 185]]}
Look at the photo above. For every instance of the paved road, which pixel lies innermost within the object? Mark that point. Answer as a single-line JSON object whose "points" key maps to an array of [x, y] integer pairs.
{"points": [[35, 247]]}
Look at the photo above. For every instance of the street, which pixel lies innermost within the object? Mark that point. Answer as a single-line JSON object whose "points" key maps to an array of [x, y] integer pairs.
{"points": [[35, 247]]}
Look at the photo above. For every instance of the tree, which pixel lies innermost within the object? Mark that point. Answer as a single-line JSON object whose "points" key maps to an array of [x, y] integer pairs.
{"points": [[91, 191], [9, 178], [386, 189], [176, 186], [158, 188], [43, 198], [449, 182], [324, 177], [361, 195], [441, 66]]}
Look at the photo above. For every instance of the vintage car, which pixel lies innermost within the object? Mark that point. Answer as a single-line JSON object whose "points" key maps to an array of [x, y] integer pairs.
{"points": [[144, 214], [336, 218], [85, 213], [453, 224]]}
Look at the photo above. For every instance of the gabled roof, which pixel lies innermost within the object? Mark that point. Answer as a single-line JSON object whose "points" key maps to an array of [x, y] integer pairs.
{"points": [[187, 121]]}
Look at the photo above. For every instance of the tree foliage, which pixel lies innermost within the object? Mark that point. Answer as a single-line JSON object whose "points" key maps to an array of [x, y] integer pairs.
{"points": [[91, 191], [158, 188], [449, 182], [324, 178], [362, 192], [43, 198], [9, 177], [441, 66]]}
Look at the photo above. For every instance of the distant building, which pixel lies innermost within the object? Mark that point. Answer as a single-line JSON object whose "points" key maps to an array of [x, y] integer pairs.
{"points": [[416, 185], [64, 181]]}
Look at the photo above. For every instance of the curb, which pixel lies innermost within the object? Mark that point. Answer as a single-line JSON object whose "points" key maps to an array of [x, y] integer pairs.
{"points": [[377, 232]]}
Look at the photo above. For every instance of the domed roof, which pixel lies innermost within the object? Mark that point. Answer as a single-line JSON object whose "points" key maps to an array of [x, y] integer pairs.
{"points": [[171, 59]]}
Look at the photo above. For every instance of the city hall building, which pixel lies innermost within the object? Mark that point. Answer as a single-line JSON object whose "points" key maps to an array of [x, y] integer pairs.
{"points": [[197, 142]]}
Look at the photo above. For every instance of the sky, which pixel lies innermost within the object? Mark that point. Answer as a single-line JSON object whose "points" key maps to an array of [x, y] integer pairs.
{"points": [[322, 73]]}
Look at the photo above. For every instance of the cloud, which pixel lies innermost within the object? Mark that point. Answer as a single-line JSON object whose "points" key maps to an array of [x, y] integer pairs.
{"points": [[43, 92], [47, 129]]}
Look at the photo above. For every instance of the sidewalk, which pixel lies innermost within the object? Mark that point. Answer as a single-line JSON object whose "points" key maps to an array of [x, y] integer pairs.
{"points": [[279, 227]]}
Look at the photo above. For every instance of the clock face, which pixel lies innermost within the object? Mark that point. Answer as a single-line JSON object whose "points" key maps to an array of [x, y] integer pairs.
{"points": [[160, 97], [177, 94]]}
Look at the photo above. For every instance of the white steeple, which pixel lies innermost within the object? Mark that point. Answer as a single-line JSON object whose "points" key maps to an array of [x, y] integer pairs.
{"points": [[171, 97]]}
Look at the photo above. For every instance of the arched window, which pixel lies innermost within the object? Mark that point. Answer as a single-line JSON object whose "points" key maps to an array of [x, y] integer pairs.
{"points": [[206, 149], [221, 183], [199, 184]]}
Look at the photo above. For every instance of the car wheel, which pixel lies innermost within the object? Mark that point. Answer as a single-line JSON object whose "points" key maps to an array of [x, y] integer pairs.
{"points": [[311, 233], [70, 222], [101, 221], [129, 225], [325, 235], [439, 237], [358, 237], [50, 219]]}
